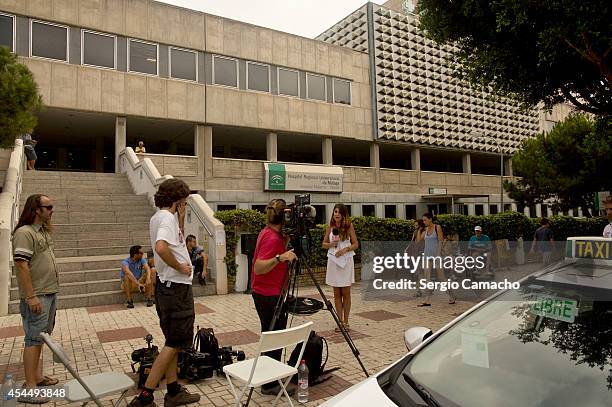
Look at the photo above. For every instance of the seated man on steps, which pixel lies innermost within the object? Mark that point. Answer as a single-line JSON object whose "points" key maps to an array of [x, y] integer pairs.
{"points": [[137, 276]]}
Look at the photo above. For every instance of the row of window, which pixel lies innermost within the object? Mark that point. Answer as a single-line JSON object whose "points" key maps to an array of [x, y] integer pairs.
{"points": [[51, 41]]}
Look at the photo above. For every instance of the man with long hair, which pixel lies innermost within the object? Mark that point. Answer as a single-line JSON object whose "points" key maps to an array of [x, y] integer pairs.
{"points": [[38, 286], [173, 293]]}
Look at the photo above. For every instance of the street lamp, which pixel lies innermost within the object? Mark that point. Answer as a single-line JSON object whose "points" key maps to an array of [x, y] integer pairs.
{"points": [[501, 167]]}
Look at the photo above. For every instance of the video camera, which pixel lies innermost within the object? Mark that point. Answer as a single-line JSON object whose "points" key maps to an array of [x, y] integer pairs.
{"points": [[144, 358], [206, 357], [299, 219]]}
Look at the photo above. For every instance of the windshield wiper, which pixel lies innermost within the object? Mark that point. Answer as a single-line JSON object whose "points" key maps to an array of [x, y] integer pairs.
{"points": [[421, 390]]}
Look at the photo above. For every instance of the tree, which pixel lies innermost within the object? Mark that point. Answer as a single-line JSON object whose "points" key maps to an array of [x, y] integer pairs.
{"points": [[535, 51], [19, 99], [567, 165]]}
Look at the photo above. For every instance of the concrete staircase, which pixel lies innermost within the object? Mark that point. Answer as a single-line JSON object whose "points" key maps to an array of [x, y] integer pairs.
{"points": [[97, 218]]}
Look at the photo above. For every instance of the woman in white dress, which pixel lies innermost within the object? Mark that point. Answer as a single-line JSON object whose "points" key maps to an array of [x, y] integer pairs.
{"points": [[341, 241]]}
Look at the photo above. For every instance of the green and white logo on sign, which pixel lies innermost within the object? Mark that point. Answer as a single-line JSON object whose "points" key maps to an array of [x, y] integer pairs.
{"points": [[276, 177]]}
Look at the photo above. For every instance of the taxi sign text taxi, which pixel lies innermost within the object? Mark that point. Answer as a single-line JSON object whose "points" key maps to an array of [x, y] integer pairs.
{"points": [[594, 249]]}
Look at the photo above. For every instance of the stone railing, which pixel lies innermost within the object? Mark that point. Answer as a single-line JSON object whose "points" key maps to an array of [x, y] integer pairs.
{"points": [[199, 218], [9, 215]]}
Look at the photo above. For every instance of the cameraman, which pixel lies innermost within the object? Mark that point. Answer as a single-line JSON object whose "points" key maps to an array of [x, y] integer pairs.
{"points": [[269, 272], [173, 293]]}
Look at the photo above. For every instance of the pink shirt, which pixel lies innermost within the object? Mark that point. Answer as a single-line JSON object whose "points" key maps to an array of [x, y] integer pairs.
{"points": [[269, 244]]}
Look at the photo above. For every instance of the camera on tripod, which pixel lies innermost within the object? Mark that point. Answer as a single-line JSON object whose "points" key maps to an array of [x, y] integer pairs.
{"points": [[299, 219], [144, 358]]}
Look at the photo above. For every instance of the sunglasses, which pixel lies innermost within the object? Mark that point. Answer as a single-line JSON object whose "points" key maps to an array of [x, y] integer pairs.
{"points": [[49, 207]]}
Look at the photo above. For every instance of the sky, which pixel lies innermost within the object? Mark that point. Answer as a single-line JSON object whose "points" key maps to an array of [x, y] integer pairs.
{"points": [[307, 18]]}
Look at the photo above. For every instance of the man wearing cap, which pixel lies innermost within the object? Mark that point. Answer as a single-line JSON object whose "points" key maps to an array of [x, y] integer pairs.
{"points": [[607, 232], [480, 244]]}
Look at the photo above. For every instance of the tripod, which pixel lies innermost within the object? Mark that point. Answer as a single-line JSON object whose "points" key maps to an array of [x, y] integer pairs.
{"points": [[281, 305]]}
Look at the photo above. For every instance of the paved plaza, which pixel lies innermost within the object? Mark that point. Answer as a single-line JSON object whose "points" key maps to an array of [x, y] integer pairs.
{"points": [[99, 339]]}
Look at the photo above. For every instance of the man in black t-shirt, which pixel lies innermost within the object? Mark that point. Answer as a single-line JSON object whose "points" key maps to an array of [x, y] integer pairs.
{"points": [[543, 238]]}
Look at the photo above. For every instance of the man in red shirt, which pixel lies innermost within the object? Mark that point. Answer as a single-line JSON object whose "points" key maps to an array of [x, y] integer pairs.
{"points": [[269, 272]]}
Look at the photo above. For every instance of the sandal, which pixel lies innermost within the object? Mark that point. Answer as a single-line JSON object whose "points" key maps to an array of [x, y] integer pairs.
{"points": [[47, 381], [337, 330], [424, 304], [452, 300], [347, 327]]}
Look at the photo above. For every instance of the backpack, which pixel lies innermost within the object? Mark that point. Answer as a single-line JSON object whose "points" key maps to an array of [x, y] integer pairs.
{"points": [[207, 341], [313, 355]]}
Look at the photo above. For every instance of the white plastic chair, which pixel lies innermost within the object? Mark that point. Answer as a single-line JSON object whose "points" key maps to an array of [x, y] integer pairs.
{"points": [[92, 387], [263, 369]]}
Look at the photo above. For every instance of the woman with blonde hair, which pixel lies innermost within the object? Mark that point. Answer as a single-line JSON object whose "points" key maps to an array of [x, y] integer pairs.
{"points": [[341, 241]]}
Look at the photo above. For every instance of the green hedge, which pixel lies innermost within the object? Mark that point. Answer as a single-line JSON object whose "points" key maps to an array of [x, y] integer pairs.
{"points": [[507, 225]]}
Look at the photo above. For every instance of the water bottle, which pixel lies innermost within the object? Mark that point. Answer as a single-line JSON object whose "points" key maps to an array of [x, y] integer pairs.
{"points": [[303, 382], [8, 400]]}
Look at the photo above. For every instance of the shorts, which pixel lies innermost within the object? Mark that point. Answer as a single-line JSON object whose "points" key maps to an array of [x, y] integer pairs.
{"points": [[30, 154], [34, 324], [174, 306]]}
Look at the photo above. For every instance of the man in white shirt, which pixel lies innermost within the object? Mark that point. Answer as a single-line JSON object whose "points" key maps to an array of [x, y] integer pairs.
{"points": [[173, 293], [607, 232]]}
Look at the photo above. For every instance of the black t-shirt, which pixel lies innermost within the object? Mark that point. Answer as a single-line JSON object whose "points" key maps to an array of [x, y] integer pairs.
{"points": [[543, 236]]}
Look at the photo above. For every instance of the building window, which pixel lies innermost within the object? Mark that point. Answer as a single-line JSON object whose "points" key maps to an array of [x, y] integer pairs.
{"points": [[183, 64], [225, 71], [342, 91], [545, 210], [390, 211], [225, 207], [49, 41], [411, 212], [259, 208], [479, 210], [98, 49], [368, 210], [320, 215], [492, 209], [288, 82], [316, 88], [142, 57], [258, 77], [7, 31]]}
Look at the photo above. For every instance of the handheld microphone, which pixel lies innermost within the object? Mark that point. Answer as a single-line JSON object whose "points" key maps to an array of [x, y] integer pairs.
{"points": [[336, 234]]}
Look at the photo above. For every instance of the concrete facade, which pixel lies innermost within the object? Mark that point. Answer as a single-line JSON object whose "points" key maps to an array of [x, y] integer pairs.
{"points": [[399, 101]]}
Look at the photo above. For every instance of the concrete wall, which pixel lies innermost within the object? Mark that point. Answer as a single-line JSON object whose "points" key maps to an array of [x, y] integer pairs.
{"points": [[5, 156], [90, 89]]}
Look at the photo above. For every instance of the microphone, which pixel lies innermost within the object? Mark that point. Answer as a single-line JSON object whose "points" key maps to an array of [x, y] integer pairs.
{"points": [[336, 234]]}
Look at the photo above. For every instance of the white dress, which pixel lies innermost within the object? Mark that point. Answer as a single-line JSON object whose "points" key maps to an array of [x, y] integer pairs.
{"points": [[340, 270]]}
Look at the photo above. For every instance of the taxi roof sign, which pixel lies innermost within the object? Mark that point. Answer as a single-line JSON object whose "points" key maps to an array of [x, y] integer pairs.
{"points": [[589, 247]]}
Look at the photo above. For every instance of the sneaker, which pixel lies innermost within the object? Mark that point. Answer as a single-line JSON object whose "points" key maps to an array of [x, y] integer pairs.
{"points": [[273, 391], [181, 398], [149, 302], [130, 304], [136, 402]]}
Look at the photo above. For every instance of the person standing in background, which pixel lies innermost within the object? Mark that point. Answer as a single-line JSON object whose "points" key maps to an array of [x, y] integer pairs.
{"points": [[140, 149], [28, 148]]}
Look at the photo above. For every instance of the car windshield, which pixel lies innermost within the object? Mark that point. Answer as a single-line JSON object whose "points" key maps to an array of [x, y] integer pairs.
{"points": [[544, 345]]}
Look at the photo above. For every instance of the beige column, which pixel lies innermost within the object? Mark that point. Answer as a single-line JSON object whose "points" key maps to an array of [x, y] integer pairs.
{"points": [[466, 161], [328, 158], [272, 147], [203, 149], [120, 139], [99, 154], [375, 160], [415, 160]]}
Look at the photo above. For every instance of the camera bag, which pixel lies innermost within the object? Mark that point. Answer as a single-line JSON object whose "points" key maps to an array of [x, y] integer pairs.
{"points": [[313, 355]]}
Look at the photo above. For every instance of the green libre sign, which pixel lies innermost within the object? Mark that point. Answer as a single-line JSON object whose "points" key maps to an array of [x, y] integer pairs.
{"points": [[561, 309]]}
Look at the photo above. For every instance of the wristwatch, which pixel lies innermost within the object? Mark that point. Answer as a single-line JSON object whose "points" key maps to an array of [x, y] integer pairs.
{"points": [[277, 257]]}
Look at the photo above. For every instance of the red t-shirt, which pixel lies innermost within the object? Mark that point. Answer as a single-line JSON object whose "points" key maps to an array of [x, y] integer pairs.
{"points": [[269, 244]]}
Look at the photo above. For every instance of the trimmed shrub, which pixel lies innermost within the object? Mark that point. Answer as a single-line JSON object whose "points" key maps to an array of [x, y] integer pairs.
{"points": [[507, 225]]}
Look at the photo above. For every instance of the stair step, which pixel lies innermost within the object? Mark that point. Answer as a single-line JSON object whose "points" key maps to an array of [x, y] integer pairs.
{"points": [[89, 262], [114, 241], [141, 235], [85, 251], [101, 218], [89, 287], [81, 276], [109, 297], [101, 227]]}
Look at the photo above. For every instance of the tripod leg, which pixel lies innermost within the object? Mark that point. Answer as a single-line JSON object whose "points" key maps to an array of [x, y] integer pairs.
{"points": [[334, 314]]}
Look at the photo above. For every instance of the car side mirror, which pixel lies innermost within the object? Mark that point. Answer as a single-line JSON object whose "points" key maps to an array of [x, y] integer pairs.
{"points": [[413, 337]]}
